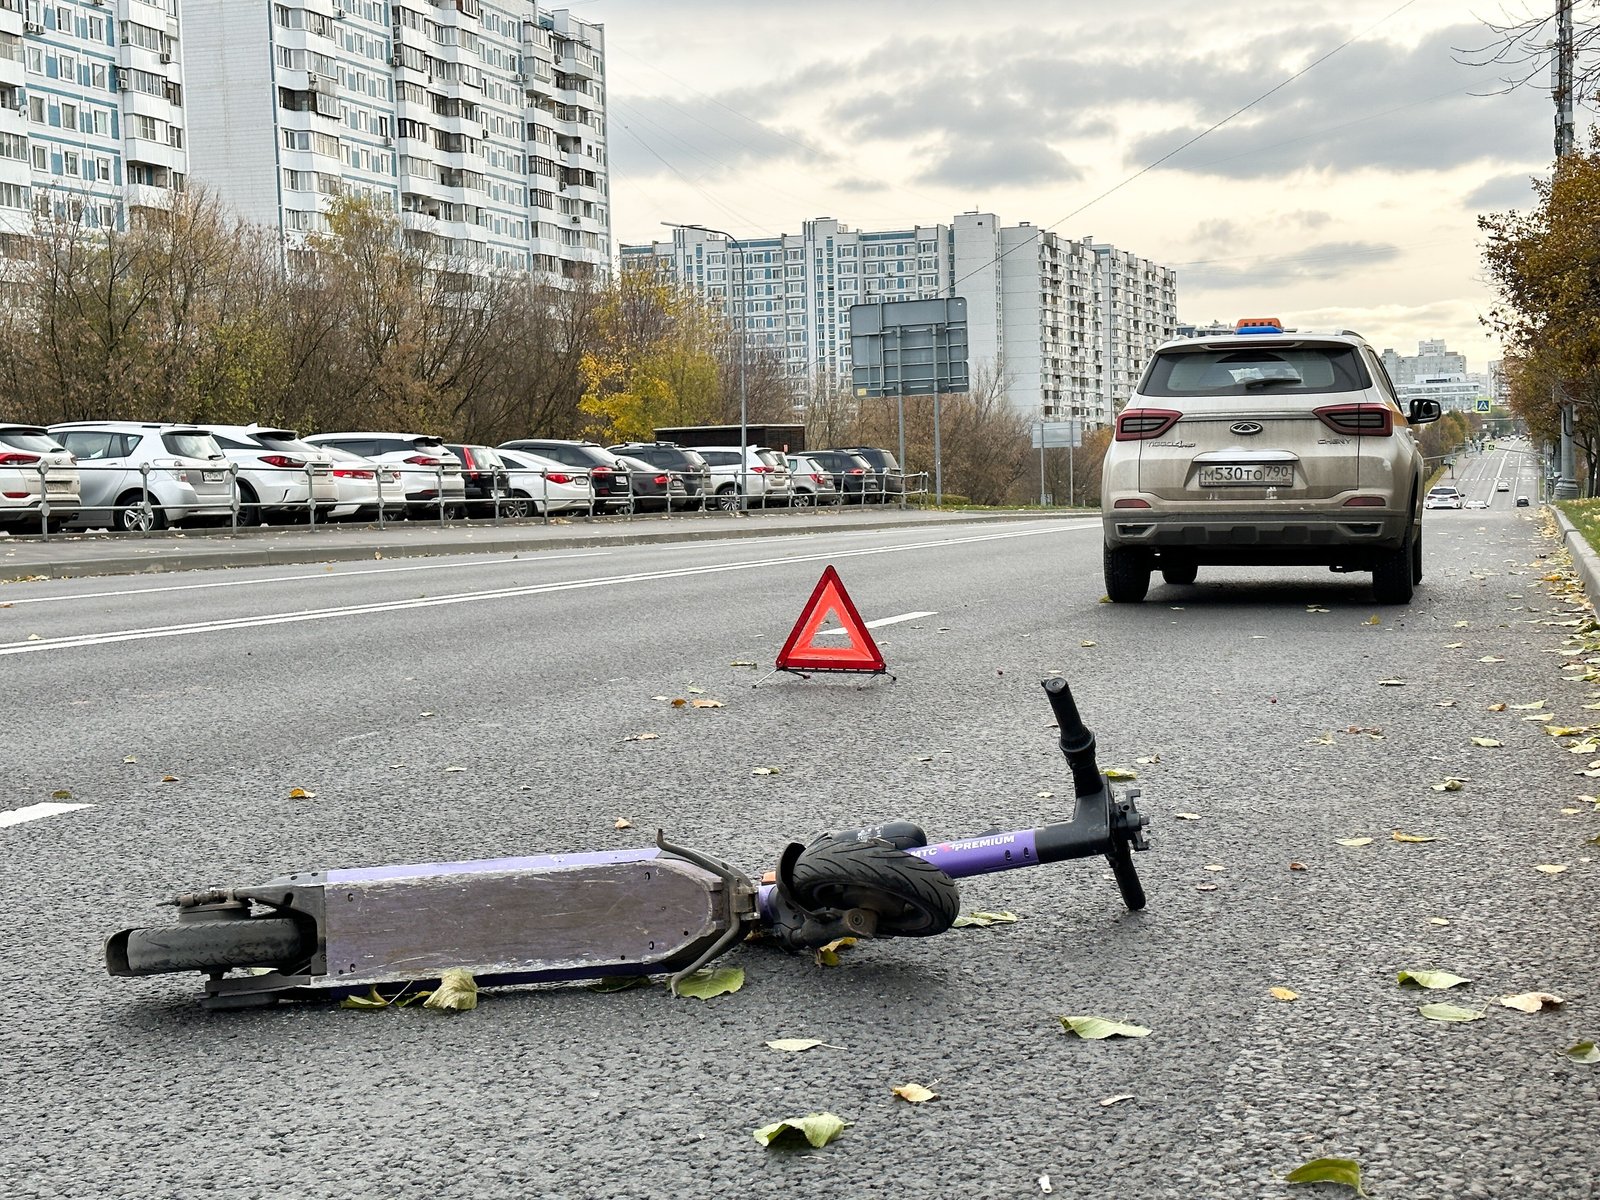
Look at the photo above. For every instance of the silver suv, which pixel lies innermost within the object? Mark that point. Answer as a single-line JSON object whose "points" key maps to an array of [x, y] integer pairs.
{"points": [[1264, 448], [139, 476]]}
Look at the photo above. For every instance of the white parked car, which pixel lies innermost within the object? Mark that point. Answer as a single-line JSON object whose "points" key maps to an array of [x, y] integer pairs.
{"points": [[430, 474], [180, 468], [538, 482], [1443, 497], [25, 488], [278, 473], [762, 473], [1265, 447], [363, 485]]}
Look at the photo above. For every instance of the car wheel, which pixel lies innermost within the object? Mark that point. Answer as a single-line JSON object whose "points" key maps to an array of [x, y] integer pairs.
{"points": [[802, 500], [1127, 573], [519, 506], [727, 499], [1416, 557], [249, 507], [131, 516], [1392, 581], [1180, 573]]}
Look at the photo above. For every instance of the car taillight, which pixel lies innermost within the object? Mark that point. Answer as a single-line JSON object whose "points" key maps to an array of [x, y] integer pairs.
{"points": [[1137, 424], [661, 481], [1364, 502], [1359, 420], [816, 478], [353, 473], [763, 470], [422, 460], [283, 460], [558, 477], [1131, 504], [16, 458]]}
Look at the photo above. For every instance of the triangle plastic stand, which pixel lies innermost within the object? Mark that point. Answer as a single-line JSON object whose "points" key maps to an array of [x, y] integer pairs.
{"points": [[858, 652]]}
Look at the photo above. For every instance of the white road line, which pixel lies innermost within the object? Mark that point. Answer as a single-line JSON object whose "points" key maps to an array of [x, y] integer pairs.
{"points": [[881, 622], [501, 561], [33, 812], [355, 610]]}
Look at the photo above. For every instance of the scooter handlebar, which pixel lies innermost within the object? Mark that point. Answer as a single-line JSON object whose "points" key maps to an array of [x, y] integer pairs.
{"points": [[1077, 743]]}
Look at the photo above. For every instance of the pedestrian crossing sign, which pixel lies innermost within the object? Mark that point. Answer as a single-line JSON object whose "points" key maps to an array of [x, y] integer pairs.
{"points": [[1483, 406]]}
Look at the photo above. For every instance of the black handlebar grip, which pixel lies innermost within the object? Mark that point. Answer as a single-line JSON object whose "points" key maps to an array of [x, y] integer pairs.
{"points": [[1077, 743]]}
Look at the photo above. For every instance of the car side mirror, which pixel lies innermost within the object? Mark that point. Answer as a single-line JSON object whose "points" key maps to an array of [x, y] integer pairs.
{"points": [[1424, 411]]}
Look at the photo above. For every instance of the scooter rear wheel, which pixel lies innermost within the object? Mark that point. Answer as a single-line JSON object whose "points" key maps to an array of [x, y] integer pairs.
{"points": [[912, 897], [217, 945]]}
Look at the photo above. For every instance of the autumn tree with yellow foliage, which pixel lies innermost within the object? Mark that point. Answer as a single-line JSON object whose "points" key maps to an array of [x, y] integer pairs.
{"points": [[655, 361], [1546, 265]]}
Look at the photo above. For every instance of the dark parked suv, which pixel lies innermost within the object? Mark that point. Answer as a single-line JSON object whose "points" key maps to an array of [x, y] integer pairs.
{"points": [[607, 476], [484, 476], [671, 457], [853, 475], [887, 469]]}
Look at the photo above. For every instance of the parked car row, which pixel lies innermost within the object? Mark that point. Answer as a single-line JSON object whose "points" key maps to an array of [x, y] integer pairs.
{"points": [[136, 476]]}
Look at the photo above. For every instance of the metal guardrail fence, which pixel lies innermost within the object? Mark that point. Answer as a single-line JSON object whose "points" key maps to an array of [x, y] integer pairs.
{"points": [[152, 497]]}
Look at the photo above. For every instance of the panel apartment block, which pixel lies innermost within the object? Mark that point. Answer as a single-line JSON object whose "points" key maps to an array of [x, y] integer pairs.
{"points": [[481, 123], [92, 110], [1064, 326]]}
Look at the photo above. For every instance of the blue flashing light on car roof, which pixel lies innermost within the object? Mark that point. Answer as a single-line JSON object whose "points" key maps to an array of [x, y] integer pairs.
{"points": [[1258, 325]]}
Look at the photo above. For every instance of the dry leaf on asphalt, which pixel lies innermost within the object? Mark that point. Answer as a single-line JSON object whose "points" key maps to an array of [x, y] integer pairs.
{"points": [[1283, 993], [1432, 980], [1298, 866], [1205, 887], [1487, 743], [1452, 784], [642, 737], [61, 794], [705, 984], [915, 1093], [1449, 1012], [797, 1045], [130, 758], [1532, 1002], [169, 779], [1454, 645], [1551, 868], [1121, 773], [1346, 1171], [1412, 837], [457, 992], [1584, 1052], [1501, 707], [706, 703], [1117, 1099], [816, 1129], [1187, 816], [982, 920], [765, 770], [623, 823], [301, 794], [1531, 706], [1096, 1028], [1355, 841], [453, 770], [1391, 683], [680, 702], [828, 956], [1491, 658]]}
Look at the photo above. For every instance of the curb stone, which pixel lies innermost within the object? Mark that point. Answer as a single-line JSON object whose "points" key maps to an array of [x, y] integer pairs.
{"points": [[1584, 559]]}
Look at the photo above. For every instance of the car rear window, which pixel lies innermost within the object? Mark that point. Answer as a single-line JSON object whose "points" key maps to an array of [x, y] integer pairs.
{"points": [[277, 439], [191, 445], [1253, 370], [771, 458], [721, 458], [23, 439]]}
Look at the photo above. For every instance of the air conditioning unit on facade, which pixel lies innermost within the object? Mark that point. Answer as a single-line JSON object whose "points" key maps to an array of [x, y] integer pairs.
{"points": [[32, 27], [165, 59], [395, 60], [312, 79]]}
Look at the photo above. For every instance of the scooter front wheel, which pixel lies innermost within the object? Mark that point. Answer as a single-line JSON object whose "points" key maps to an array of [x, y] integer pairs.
{"points": [[215, 946], [911, 897]]}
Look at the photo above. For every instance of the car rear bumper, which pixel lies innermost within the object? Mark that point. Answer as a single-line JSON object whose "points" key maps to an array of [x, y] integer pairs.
{"points": [[1244, 536]]}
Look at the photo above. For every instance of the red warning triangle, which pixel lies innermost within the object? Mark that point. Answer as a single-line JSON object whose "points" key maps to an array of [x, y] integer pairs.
{"points": [[855, 651]]}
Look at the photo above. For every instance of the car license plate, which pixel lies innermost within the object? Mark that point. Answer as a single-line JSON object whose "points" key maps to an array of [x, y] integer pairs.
{"points": [[212, 476], [1247, 475], [58, 485]]}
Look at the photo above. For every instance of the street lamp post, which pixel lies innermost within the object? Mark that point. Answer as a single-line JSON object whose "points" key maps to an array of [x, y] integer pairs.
{"points": [[744, 420]]}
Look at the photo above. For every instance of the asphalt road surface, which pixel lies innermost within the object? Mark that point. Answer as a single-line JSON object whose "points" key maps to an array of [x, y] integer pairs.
{"points": [[370, 684]]}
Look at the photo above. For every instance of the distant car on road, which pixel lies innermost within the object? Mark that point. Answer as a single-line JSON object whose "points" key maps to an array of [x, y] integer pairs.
{"points": [[1502, 485], [1477, 504], [1443, 497], [1522, 502]]}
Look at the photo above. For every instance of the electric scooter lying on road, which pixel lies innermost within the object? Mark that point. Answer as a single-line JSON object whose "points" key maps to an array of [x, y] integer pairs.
{"points": [[562, 917]]}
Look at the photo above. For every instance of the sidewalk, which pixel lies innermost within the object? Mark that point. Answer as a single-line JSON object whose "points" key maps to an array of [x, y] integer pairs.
{"points": [[67, 556]]}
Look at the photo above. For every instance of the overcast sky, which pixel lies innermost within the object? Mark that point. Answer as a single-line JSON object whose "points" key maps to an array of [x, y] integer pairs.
{"points": [[1347, 198]]}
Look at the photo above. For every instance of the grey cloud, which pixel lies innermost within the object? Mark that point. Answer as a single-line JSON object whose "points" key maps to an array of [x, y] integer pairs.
{"points": [[1324, 260], [859, 185], [699, 137], [998, 162], [1309, 218], [1502, 192], [1219, 231], [1375, 105]]}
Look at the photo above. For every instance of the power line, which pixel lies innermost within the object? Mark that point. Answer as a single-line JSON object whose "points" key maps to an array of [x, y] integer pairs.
{"points": [[1145, 170]]}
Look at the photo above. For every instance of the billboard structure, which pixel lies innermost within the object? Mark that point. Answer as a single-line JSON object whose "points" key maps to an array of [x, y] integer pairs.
{"points": [[906, 348]]}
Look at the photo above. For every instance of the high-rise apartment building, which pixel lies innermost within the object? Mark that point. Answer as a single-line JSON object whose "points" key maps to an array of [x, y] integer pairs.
{"points": [[92, 110], [1065, 326], [481, 122]]}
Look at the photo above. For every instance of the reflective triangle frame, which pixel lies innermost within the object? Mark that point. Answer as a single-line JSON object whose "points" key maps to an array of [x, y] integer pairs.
{"points": [[859, 653]]}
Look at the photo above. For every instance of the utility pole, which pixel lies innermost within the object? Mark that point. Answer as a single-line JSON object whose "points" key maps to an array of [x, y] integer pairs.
{"points": [[1562, 91]]}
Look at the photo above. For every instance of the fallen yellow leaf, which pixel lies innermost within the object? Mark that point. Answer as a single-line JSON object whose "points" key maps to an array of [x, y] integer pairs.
{"points": [[1412, 837], [623, 823], [1551, 868], [301, 794], [1283, 993], [915, 1093]]}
